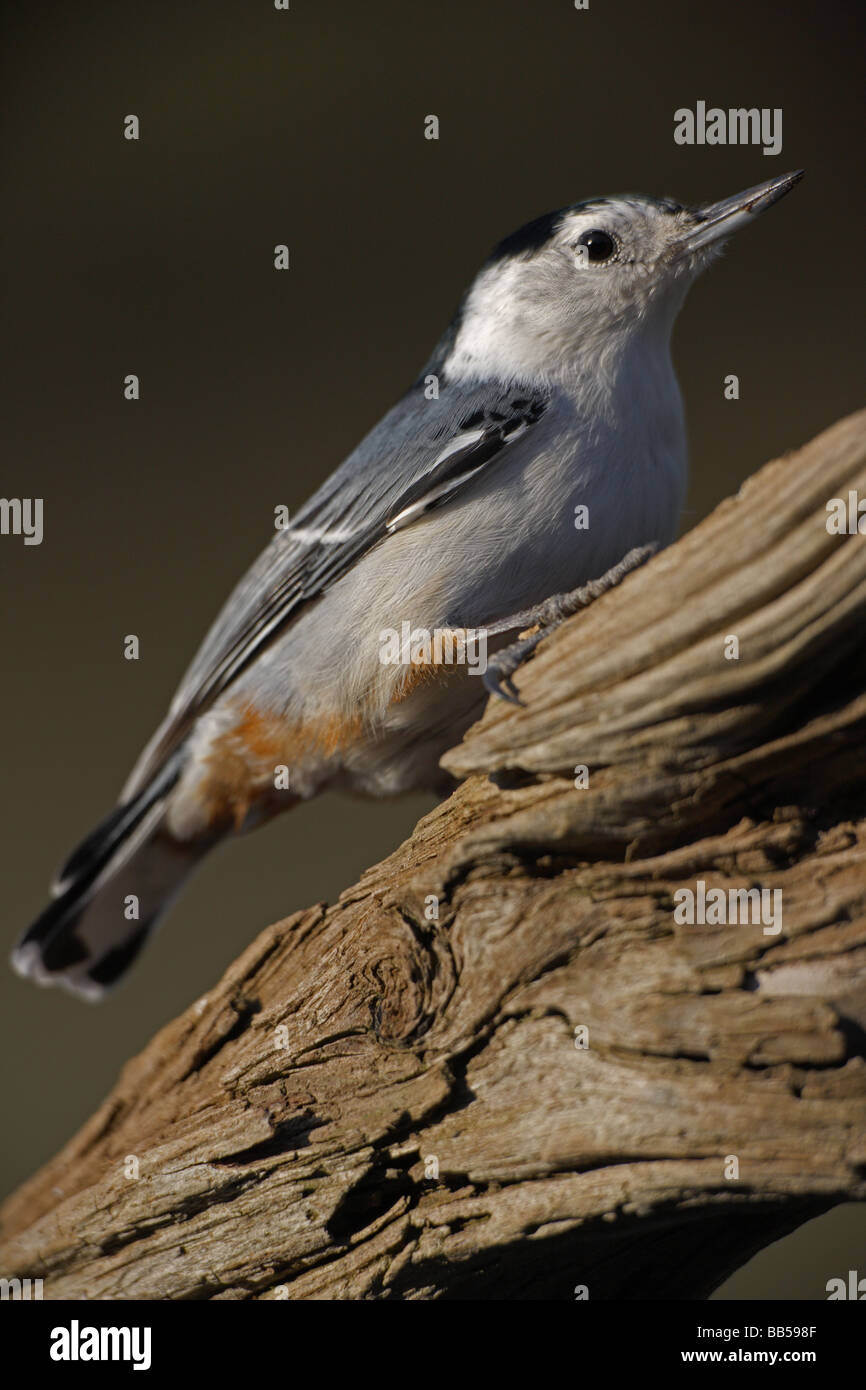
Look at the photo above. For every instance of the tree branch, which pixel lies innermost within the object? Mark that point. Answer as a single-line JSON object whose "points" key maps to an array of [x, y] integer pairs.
{"points": [[374, 1104]]}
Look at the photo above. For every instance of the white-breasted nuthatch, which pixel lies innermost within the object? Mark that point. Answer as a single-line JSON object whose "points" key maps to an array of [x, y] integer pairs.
{"points": [[552, 389]]}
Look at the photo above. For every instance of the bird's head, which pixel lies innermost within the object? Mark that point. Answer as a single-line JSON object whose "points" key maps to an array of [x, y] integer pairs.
{"points": [[591, 277]]}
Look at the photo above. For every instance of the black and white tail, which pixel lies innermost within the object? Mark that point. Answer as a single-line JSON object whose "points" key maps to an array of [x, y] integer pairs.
{"points": [[109, 895]]}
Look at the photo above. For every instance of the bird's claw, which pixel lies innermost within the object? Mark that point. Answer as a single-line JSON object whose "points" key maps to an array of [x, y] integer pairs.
{"points": [[501, 667], [503, 686]]}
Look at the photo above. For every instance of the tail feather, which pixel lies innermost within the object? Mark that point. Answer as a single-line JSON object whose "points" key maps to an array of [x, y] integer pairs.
{"points": [[89, 857], [109, 897]]}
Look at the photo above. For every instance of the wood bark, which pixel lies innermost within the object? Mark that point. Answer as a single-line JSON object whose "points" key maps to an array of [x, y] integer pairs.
{"points": [[378, 1102]]}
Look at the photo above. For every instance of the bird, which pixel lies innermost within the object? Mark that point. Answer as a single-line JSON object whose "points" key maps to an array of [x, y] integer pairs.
{"points": [[552, 390]]}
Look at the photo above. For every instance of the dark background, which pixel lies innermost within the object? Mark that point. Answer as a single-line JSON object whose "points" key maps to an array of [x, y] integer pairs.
{"points": [[156, 257]]}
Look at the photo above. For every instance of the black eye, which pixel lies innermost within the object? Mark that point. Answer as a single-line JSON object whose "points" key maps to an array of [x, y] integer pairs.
{"points": [[600, 246]]}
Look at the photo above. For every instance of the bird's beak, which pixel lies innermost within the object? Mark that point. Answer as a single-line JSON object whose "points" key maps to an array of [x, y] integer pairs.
{"points": [[717, 220]]}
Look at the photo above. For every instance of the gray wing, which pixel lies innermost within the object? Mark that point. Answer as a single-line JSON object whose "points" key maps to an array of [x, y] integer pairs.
{"points": [[409, 463]]}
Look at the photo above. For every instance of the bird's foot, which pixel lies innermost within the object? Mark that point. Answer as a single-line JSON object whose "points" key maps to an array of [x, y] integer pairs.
{"points": [[534, 624]]}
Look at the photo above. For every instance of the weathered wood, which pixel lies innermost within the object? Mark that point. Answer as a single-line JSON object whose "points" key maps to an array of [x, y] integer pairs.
{"points": [[289, 1128]]}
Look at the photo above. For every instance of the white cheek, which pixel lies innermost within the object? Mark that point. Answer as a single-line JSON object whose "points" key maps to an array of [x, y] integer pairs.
{"points": [[513, 330]]}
